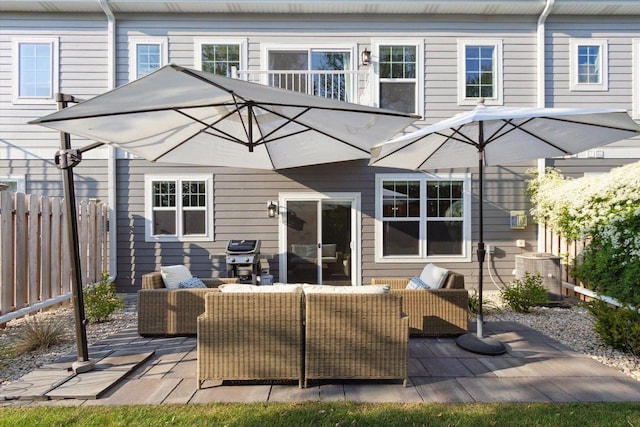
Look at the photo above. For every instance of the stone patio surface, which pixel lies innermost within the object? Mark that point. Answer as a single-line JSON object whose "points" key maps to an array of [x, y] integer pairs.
{"points": [[136, 370]]}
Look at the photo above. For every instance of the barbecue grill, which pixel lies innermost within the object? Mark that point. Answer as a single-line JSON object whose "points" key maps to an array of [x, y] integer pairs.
{"points": [[243, 260]]}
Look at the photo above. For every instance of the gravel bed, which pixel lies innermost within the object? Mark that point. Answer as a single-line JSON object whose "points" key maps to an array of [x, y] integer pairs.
{"points": [[570, 326]]}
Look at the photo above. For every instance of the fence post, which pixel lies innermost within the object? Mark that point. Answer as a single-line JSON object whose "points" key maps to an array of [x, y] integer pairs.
{"points": [[6, 251]]}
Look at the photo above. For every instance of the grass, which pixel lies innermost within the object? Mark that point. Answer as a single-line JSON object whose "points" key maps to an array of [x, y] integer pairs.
{"points": [[40, 334], [332, 414]]}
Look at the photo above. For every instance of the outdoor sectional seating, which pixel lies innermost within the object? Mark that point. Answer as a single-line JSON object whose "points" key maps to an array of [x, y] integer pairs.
{"points": [[170, 312], [261, 335], [433, 312]]}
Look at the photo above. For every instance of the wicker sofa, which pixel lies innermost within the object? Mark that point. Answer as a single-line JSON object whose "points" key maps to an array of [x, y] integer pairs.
{"points": [[355, 336], [251, 336], [170, 312], [433, 312]]}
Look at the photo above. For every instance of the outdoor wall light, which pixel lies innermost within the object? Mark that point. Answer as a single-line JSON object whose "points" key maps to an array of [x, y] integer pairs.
{"points": [[272, 209], [366, 57]]}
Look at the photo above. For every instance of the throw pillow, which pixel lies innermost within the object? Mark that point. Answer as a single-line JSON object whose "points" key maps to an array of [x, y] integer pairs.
{"points": [[417, 283], [192, 283], [172, 275], [434, 276]]}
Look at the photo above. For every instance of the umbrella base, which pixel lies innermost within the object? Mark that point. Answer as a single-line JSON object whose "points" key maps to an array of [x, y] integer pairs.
{"points": [[481, 345]]}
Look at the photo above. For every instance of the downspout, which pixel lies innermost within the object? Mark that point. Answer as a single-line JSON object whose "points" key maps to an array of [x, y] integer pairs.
{"points": [[112, 151], [541, 92]]}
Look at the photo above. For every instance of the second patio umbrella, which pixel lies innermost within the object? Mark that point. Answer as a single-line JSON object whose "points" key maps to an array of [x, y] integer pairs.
{"points": [[496, 136]]}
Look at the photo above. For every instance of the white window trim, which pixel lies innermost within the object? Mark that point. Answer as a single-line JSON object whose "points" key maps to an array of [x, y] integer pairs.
{"points": [[603, 85], [199, 41], [20, 181], [422, 257], [341, 47], [148, 209], [462, 71], [375, 66], [636, 79], [55, 66], [134, 41]]}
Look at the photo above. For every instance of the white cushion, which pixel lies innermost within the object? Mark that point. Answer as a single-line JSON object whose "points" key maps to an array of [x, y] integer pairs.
{"points": [[417, 283], [434, 276], [172, 275], [243, 288], [326, 289]]}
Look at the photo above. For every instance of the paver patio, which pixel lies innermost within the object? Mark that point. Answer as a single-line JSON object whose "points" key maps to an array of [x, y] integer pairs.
{"points": [[140, 370]]}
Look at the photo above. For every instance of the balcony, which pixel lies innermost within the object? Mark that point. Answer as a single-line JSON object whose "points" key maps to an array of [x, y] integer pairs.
{"points": [[344, 85]]}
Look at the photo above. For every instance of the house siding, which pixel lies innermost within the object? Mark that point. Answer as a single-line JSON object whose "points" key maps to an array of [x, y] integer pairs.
{"points": [[240, 195]]}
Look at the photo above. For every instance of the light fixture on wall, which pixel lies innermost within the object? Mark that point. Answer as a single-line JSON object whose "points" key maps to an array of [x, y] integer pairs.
{"points": [[272, 209], [365, 57]]}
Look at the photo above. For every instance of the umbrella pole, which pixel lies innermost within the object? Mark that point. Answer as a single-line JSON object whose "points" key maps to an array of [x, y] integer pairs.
{"points": [[477, 343], [66, 159]]}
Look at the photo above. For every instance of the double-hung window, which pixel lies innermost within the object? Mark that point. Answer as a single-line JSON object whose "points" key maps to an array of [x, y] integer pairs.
{"points": [[13, 183], [146, 54], [589, 65], [399, 64], [480, 71], [636, 79], [220, 56], [178, 208], [420, 217], [35, 69]]}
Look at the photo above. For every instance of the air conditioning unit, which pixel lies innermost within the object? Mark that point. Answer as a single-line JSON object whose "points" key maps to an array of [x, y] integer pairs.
{"points": [[547, 265]]}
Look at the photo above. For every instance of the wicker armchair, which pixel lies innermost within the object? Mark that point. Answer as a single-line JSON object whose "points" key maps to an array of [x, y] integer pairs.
{"points": [[251, 336], [170, 312], [433, 312], [355, 336]]}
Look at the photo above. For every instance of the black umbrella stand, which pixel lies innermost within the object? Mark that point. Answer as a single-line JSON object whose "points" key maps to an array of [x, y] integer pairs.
{"points": [[478, 343], [66, 158]]}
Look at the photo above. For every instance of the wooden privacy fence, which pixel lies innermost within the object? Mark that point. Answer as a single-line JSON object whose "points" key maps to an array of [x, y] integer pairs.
{"points": [[34, 251], [566, 249]]}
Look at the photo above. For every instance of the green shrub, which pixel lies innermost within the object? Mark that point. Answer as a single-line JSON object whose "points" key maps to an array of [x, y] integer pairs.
{"points": [[101, 301], [522, 294], [40, 334], [618, 327]]}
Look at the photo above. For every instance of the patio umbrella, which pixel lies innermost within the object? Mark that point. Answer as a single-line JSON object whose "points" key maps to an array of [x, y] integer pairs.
{"points": [[180, 115], [500, 135]]}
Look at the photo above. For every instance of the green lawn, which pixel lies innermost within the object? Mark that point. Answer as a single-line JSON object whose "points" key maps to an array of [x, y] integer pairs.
{"points": [[328, 414]]}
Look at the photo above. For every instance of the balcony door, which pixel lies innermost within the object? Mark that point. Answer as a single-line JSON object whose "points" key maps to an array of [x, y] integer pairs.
{"points": [[319, 238]]}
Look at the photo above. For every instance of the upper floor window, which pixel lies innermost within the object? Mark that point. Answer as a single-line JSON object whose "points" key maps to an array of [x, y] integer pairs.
{"points": [[317, 71], [589, 65], [178, 208], [636, 79], [35, 62], [219, 56], [146, 54], [480, 71], [397, 69], [422, 217]]}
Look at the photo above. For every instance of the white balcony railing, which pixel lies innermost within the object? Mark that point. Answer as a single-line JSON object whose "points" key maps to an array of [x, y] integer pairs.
{"points": [[344, 85]]}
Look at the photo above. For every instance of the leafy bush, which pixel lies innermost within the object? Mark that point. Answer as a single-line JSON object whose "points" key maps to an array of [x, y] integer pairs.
{"points": [[522, 294], [40, 334], [618, 327], [101, 301]]}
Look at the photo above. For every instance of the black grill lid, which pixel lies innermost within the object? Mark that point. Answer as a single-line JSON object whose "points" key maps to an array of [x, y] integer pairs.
{"points": [[243, 246]]}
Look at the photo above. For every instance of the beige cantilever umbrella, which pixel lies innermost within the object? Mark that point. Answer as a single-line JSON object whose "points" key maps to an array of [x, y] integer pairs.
{"points": [[179, 115], [496, 136]]}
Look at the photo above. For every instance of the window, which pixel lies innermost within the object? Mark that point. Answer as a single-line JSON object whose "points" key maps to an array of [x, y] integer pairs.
{"points": [[146, 54], [589, 65], [178, 208], [422, 218], [14, 183], [321, 71], [35, 62], [480, 71], [220, 56], [398, 65]]}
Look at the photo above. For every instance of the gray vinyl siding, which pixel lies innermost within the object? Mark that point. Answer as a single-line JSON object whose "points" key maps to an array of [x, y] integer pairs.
{"points": [[240, 195]]}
